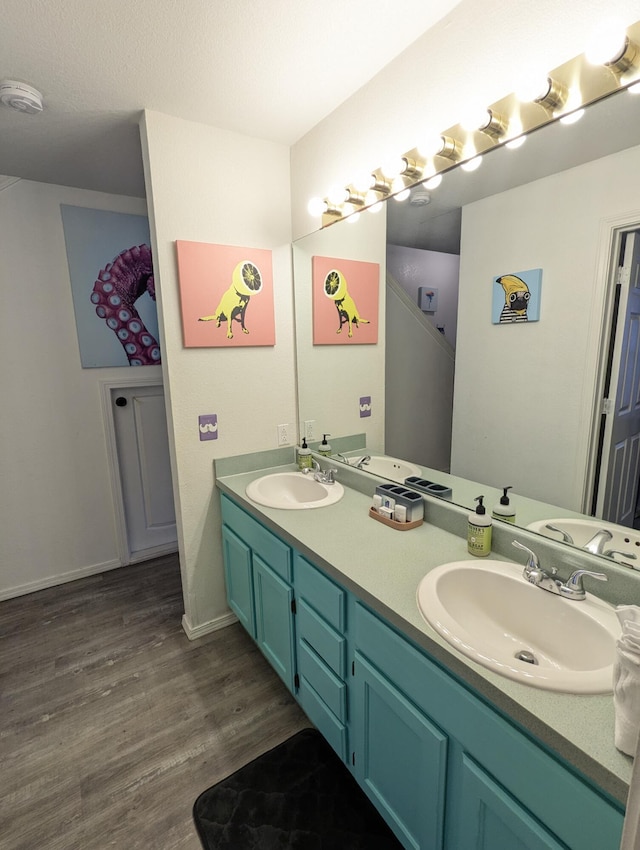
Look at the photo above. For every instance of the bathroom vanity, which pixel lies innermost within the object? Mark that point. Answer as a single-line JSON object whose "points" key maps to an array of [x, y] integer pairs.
{"points": [[453, 755]]}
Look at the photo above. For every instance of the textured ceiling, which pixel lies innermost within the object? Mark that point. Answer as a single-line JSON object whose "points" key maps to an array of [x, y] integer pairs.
{"points": [[266, 68]]}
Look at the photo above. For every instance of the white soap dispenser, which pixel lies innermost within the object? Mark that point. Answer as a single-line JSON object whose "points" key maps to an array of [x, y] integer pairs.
{"points": [[503, 509], [479, 530], [325, 448]]}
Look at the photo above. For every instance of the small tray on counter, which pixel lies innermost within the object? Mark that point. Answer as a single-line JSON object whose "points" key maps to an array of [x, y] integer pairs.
{"points": [[392, 523]]}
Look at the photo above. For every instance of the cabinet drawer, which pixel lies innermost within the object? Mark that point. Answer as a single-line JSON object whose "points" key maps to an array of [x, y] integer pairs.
{"points": [[325, 683], [270, 548], [325, 720], [327, 643], [320, 592]]}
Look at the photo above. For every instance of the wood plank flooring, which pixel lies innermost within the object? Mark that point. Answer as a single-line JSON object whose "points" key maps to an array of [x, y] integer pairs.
{"points": [[112, 721]]}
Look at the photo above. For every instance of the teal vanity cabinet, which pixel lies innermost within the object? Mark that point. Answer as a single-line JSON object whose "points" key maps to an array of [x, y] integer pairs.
{"points": [[448, 771], [445, 769], [258, 572], [321, 652]]}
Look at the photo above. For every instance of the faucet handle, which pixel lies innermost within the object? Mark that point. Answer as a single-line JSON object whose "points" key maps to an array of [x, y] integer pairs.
{"points": [[534, 562], [609, 553], [574, 582]]}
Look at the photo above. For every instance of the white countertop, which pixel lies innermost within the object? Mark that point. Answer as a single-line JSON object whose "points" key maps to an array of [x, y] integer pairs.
{"points": [[383, 567]]}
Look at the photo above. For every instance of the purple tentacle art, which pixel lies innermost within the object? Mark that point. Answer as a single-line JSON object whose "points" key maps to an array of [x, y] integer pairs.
{"points": [[118, 287]]}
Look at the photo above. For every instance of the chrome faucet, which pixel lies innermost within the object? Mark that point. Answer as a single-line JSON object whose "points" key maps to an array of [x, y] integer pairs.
{"points": [[571, 589], [596, 544], [362, 461], [327, 476]]}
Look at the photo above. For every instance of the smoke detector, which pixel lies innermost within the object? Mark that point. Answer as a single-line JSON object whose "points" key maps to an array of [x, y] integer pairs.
{"points": [[20, 96], [420, 197]]}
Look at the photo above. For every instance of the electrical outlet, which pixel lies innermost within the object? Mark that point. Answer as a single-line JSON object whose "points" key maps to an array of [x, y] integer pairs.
{"points": [[283, 435], [310, 429]]}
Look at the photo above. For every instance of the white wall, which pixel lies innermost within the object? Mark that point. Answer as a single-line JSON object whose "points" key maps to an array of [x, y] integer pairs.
{"points": [[56, 505], [210, 185], [333, 378], [469, 57], [413, 268], [419, 385], [524, 394]]}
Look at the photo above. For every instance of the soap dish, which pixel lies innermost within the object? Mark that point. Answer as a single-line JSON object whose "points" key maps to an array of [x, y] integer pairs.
{"points": [[392, 523], [429, 487]]}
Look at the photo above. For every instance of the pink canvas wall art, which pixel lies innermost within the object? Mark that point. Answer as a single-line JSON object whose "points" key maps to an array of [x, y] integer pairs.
{"points": [[345, 301], [226, 294]]}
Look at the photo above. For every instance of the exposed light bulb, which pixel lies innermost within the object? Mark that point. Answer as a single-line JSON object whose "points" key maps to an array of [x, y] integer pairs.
{"points": [[402, 196], [393, 167], [572, 117], [517, 142], [353, 218], [634, 89], [400, 192], [433, 182], [363, 182], [607, 43], [431, 147], [337, 195], [375, 208], [316, 207], [532, 89], [471, 164], [573, 107], [476, 120]]}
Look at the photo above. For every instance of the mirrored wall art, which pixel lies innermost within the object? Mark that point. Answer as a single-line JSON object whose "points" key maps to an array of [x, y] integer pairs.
{"points": [[516, 297], [226, 294], [345, 301]]}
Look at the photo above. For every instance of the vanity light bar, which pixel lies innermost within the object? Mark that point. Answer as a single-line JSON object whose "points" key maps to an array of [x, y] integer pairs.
{"points": [[594, 82]]}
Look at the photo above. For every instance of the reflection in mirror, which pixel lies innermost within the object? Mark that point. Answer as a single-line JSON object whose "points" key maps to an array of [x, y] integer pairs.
{"points": [[527, 408]]}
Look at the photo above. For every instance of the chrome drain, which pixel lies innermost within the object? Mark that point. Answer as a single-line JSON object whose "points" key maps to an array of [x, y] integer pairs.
{"points": [[528, 657]]}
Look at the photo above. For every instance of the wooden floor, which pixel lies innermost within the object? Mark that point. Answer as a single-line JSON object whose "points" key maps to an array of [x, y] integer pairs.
{"points": [[112, 721]]}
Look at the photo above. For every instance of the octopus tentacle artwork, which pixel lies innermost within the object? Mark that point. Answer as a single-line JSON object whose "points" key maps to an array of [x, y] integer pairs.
{"points": [[118, 287]]}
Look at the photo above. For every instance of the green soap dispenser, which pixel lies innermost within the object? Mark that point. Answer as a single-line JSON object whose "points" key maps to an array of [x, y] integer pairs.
{"points": [[305, 461], [503, 509], [479, 530], [325, 448]]}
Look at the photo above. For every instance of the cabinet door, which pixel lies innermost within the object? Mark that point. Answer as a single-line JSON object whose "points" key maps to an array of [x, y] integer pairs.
{"points": [[237, 570], [274, 619], [400, 759], [488, 818]]}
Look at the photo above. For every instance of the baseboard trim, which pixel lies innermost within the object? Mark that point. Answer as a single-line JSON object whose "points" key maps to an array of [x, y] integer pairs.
{"points": [[195, 632], [153, 552], [62, 578]]}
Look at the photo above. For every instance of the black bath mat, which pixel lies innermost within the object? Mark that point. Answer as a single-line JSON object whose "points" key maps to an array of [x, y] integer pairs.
{"points": [[299, 795]]}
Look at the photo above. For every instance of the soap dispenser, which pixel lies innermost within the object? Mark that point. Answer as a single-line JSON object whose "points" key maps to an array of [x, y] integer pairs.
{"points": [[325, 448], [479, 530], [502, 509], [305, 461]]}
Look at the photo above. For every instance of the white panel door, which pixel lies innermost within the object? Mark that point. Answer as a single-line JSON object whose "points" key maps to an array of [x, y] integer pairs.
{"points": [[623, 466], [145, 471]]}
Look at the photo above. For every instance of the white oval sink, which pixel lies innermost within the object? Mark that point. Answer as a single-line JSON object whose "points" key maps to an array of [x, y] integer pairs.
{"points": [[625, 540], [391, 467], [293, 491], [489, 612]]}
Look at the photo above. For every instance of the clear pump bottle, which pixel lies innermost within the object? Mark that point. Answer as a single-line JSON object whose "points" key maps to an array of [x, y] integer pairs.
{"points": [[324, 448], [503, 509]]}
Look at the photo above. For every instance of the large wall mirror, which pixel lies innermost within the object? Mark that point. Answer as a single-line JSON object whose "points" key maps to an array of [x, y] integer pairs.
{"points": [[476, 404]]}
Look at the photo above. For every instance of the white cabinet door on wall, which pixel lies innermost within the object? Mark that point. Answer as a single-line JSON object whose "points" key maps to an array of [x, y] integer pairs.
{"points": [[144, 469]]}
